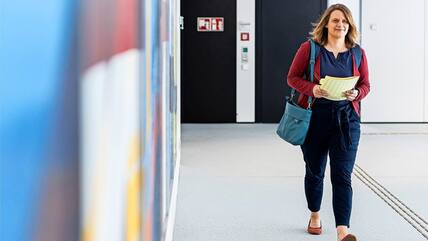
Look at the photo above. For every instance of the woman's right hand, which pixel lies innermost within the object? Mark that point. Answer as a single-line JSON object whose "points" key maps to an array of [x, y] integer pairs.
{"points": [[318, 92]]}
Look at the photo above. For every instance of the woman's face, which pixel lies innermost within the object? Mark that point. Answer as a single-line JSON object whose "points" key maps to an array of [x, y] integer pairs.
{"points": [[337, 25]]}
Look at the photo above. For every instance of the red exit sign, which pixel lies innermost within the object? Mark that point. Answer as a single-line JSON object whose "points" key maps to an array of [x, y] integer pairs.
{"points": [[210, 24]]}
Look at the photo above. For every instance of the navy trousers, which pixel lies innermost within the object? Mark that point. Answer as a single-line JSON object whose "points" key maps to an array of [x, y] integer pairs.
{"points": [[335, 131]]}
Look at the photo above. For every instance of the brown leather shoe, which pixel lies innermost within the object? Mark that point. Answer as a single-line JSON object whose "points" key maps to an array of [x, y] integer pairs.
{"points": [[349, 237], [314, 231]]}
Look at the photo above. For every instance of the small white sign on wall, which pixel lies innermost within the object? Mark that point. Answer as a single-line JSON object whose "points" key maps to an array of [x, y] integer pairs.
{"points": [[210, 24]]}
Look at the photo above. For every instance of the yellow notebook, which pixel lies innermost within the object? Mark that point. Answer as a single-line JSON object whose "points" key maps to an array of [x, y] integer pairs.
{"points": [[336, 86]]}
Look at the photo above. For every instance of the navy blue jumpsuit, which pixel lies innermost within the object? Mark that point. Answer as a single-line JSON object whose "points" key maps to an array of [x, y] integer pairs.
{"points": [[335, 131]]}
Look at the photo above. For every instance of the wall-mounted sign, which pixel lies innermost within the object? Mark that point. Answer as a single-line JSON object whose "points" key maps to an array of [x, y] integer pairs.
{"points": [[210, 24], [244, 26]]}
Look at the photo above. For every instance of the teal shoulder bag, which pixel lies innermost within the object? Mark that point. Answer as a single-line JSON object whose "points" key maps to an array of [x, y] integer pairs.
{"points": [[295, 121]]}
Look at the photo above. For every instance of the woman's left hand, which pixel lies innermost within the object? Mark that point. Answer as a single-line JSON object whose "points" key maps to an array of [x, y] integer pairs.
{"points": [[351, 94]]}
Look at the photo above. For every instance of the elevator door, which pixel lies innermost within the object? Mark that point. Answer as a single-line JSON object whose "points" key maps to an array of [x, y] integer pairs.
{"points": [[281, 27], [208, 63]]}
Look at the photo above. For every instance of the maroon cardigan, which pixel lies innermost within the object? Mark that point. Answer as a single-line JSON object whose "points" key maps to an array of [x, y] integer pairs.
{"points": [[300, 65]]}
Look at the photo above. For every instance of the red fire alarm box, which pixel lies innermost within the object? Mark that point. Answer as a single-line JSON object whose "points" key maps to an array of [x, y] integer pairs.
{"points": [[245, 36]]}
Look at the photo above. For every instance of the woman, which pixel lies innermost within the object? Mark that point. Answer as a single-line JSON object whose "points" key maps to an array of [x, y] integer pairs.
{"points": [[335, 125]]}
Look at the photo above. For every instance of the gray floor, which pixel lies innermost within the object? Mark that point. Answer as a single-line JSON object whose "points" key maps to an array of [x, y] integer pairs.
{"points": [[241, 182]]}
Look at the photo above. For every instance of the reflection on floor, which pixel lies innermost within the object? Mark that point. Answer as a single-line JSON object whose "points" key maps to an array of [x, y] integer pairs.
{"points": [[241, 182]]}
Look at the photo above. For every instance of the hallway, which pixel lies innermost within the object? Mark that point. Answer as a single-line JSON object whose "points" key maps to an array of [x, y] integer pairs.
{"points": [[241, 182]]}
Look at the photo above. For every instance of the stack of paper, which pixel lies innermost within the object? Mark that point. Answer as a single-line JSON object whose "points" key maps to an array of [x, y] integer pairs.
{"points": [[336, 86]]}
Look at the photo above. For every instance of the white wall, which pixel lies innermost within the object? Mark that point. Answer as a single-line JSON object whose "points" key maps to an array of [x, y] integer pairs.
{"points": [[426, 64], [245, 79], [396, 47], [396, 43]]}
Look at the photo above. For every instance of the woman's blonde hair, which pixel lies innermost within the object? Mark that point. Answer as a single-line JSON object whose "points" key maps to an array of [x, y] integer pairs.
{"points": [[320, 32]]}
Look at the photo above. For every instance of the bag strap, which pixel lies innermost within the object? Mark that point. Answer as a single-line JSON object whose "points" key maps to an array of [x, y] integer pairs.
{"points": [[313, 54], [356, 51]]}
